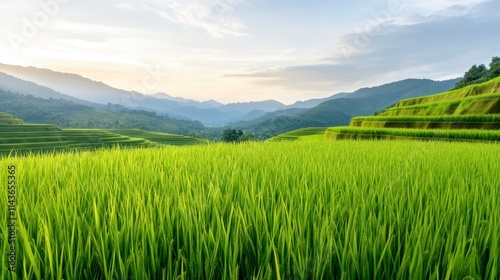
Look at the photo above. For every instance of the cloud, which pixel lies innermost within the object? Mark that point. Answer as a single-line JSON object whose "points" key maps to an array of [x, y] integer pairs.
{"points": [[215, 17], [434, 47]]}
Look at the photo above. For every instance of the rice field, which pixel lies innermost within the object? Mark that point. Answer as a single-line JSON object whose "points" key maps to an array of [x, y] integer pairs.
{"points": [[305, 134], [287, 210], [442, 118], [161, 138], [489, 87], [336, 133], [20, 138], [473, 105], [488, 122]]}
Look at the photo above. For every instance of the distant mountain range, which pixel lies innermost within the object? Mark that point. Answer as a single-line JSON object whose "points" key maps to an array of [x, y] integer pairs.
{"points": [[264, 118], [73, 86]]}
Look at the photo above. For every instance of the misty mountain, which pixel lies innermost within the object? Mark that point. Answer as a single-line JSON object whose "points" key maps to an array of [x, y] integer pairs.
{"points": [[16, 85], [85, 89], [315, 102], [269, 116], [267, 106], [210, 104]]}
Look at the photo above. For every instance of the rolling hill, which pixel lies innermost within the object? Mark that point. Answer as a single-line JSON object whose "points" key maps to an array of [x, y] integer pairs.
{"points": [[471, 113], [161, 138], [20, 138], [310, 133], [66, 114]]}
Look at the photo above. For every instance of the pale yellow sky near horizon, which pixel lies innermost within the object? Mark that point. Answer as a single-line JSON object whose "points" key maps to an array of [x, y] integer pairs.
{"points": [[240, 51]]}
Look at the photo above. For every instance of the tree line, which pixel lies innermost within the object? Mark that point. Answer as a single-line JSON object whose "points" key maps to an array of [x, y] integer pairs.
{"points": [[480, 74]]}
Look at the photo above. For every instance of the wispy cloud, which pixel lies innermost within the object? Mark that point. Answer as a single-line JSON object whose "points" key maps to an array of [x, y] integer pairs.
{"points": [[215, 17], [439, 46]]}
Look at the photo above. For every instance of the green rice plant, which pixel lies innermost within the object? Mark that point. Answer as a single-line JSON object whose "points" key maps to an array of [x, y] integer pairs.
{"points": [[489, 87], [309, 134], [473, 105], [430, 122], [287, 210], [27, 127], [41, 138], [443, 118], [161, 138], [430, 134], [6, 119]]}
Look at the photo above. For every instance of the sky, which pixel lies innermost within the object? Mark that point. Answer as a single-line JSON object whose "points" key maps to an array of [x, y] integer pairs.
{"points": [[250, 50]]}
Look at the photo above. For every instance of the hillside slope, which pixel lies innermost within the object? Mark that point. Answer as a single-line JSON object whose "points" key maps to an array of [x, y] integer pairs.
{"points": [[20, 138], [66, 114], [469, 113]]}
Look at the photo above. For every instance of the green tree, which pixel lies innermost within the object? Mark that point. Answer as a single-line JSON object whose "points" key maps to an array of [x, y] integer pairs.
{"points": [[475, 75], [494, 68], [231, 135]]}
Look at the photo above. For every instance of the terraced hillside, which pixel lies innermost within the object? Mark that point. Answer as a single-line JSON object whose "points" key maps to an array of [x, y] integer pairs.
{"points": [[471, 113], [6, 119], [162, 138], [309, 133], [17, 137]]}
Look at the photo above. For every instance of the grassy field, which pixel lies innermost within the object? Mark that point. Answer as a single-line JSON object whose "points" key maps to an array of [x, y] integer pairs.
{"points": [[489, 87], [486, 122], [444, 118], [348, 132], [287, 210], [25, 139], [6, 119], [161, 138], [307, 134], [20, 138], [480, 104]]}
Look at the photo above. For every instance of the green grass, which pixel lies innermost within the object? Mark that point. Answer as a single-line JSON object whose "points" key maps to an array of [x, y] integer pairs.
{"points": [[307, 134], [24, 139], [492, 86], [468, 114], [288, 210], [28, 128], [430, 122], [443, 118], [9, 119], [161, 138], [348, 132], [474, 105], [16, 137]]}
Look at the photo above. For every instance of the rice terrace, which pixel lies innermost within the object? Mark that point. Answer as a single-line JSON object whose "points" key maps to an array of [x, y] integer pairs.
{"points": [[98, 204], [247, 139]]}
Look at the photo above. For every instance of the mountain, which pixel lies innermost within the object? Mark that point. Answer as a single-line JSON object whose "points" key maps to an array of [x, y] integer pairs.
{"points": [[13, 84], [337, 112], [307, 104], [267, 106], [88, 90], [210, 104], [212, 113]]}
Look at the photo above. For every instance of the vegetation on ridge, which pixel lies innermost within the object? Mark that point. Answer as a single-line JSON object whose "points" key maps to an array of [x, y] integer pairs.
{"points": [[480, 74]]}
